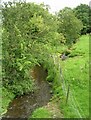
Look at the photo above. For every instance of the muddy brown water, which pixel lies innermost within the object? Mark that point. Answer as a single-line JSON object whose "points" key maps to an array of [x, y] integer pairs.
{"points": [[23, 106]]}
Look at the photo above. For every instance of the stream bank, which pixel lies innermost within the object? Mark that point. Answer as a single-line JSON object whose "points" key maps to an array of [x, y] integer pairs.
{"points": [[23, 106]]}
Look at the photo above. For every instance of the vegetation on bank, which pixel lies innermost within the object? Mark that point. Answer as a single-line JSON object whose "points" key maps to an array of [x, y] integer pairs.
{"points": [[75, 71], [32, 36], [7, 97], [74, 74], [41, 113]]}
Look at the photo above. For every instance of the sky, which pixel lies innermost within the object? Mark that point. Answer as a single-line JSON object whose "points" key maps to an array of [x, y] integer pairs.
{"points": [[56, 5]]}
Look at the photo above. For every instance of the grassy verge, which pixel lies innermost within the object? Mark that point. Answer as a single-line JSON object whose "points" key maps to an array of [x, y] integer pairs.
{"points": [[75, 72], [41, 113]]}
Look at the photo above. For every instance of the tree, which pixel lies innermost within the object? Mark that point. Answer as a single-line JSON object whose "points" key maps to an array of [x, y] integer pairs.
{"points": [[69, 25], [28, 29], [82, 13]]}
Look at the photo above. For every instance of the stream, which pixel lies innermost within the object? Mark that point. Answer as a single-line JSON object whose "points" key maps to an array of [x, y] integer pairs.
{"points": [[23, 106]]}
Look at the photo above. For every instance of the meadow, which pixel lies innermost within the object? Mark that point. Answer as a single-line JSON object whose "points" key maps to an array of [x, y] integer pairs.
{"points": [[75, 71]]}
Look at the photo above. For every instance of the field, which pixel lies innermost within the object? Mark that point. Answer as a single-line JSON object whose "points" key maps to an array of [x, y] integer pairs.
{"points": [[75, 70]]}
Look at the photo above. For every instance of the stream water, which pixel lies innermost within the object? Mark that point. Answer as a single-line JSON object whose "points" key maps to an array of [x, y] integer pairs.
{"points": [[23, 106]]}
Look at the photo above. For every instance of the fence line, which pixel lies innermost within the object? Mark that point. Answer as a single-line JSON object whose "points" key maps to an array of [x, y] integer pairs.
{"points": [[64, 87]]}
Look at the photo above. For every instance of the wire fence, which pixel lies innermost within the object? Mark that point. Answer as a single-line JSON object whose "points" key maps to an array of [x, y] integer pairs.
{"points": [[73, 103]]}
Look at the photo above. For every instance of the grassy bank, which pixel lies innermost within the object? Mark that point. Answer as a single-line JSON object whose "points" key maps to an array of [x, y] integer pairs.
{"points": [[75, 72]]}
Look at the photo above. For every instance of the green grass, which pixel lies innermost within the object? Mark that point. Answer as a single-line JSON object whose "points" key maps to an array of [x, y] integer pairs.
{"points": [[7, 97], [76, 74], [41, 113]]}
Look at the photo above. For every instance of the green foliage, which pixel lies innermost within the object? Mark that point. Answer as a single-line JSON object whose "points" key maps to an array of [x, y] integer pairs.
{"points": [[7, 96], [27, 29], [19, 88], [69, 25], [31, 36], [82, 12], [41, 113]]}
